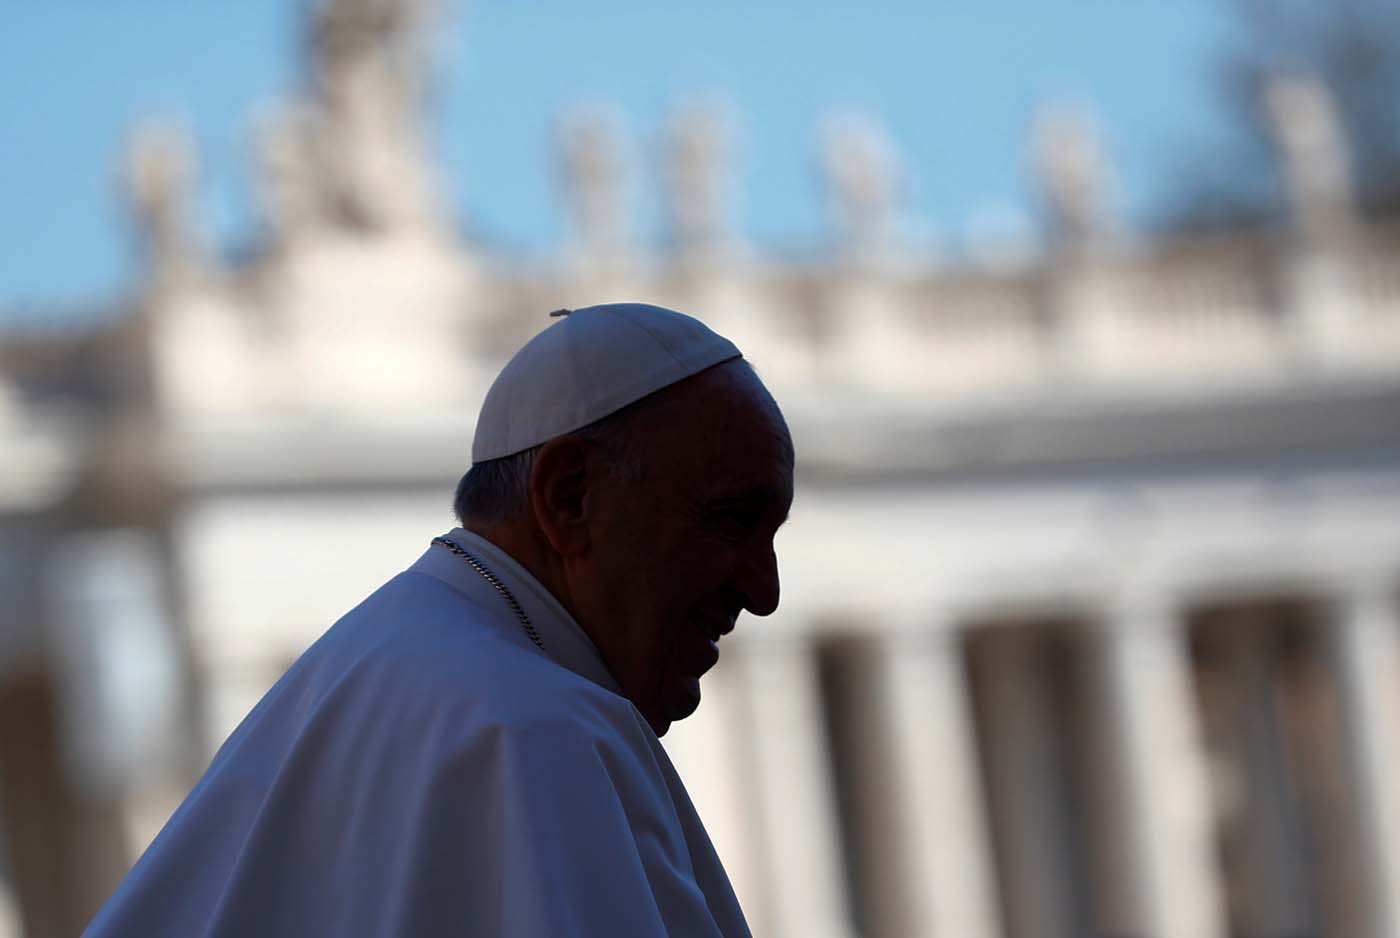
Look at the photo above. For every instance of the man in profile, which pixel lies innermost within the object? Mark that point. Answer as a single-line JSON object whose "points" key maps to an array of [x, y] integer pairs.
{"points": [[473, 750]]}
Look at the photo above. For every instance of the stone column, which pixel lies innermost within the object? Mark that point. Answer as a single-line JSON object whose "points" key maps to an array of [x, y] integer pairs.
{"points": [[1367, 644], [1168, 885], [1265, 830], [943, 880], [1021, 743], [119, 670], [63, 844], [707, 749], [805, 881]]}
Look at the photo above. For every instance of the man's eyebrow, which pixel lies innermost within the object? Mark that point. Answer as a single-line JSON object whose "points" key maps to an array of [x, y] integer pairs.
{"points": [[754, 493], [758, 496]]}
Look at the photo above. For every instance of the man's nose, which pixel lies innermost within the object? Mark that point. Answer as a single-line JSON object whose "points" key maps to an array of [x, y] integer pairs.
{"points": [[757, 581]]}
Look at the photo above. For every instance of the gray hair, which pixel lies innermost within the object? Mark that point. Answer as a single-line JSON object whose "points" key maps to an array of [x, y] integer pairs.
{"points": [[494, 490], [498, 489]]}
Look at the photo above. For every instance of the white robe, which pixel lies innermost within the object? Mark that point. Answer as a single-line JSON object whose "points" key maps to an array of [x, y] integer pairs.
{"points": [[425, 770]]}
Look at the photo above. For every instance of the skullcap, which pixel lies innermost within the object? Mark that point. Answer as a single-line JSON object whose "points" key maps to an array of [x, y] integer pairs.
{"points": [[590, 363]]}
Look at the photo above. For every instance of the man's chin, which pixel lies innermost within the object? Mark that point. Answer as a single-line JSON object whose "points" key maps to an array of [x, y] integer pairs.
{"points": [[679, 700]]}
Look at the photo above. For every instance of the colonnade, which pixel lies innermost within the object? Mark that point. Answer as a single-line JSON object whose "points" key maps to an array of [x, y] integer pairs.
{"points": [[963, 783]]}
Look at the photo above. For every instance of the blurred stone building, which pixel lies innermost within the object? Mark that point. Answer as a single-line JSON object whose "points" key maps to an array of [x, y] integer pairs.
{"points": [[1090, 616]]}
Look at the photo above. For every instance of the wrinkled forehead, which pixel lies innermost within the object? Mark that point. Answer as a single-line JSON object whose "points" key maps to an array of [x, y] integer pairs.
{"points": [[733, 391], [733, 438]]}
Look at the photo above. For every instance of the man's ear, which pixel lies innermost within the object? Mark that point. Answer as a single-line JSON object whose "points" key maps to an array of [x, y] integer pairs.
{"points": [[558, 486]]}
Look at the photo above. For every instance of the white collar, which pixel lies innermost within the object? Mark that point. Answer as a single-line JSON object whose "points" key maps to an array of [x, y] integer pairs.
{"points": [[564, 639]]}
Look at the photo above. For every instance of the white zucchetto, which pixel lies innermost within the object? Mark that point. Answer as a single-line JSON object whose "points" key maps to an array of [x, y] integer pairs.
{"points": [[591, 363]]}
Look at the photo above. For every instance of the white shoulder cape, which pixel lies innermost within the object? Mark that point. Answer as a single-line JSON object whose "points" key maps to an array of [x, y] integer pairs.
{"points": [[425, 770]]}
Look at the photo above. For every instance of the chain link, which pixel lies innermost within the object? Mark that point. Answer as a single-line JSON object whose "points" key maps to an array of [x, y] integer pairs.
{"points": [[495, 581]]}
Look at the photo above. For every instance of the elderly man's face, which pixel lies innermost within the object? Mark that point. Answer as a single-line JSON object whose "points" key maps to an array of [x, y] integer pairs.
{"points": [[679, 553]]}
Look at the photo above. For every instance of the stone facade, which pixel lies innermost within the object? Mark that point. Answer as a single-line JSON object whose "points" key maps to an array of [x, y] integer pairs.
{"points": [[1090, 590]]}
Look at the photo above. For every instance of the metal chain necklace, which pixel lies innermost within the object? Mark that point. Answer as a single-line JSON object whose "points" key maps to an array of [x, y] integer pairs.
{"points": [[495, 581]]}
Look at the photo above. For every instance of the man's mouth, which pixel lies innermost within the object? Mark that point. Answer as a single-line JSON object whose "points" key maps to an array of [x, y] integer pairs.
{"points": [[719, 626]]}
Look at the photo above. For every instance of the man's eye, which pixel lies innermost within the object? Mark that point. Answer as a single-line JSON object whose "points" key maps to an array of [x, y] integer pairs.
{"points": [[735, 525]]}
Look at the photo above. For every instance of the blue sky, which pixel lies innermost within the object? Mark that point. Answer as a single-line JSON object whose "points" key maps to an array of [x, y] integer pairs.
{"points": [[955, 83]]}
